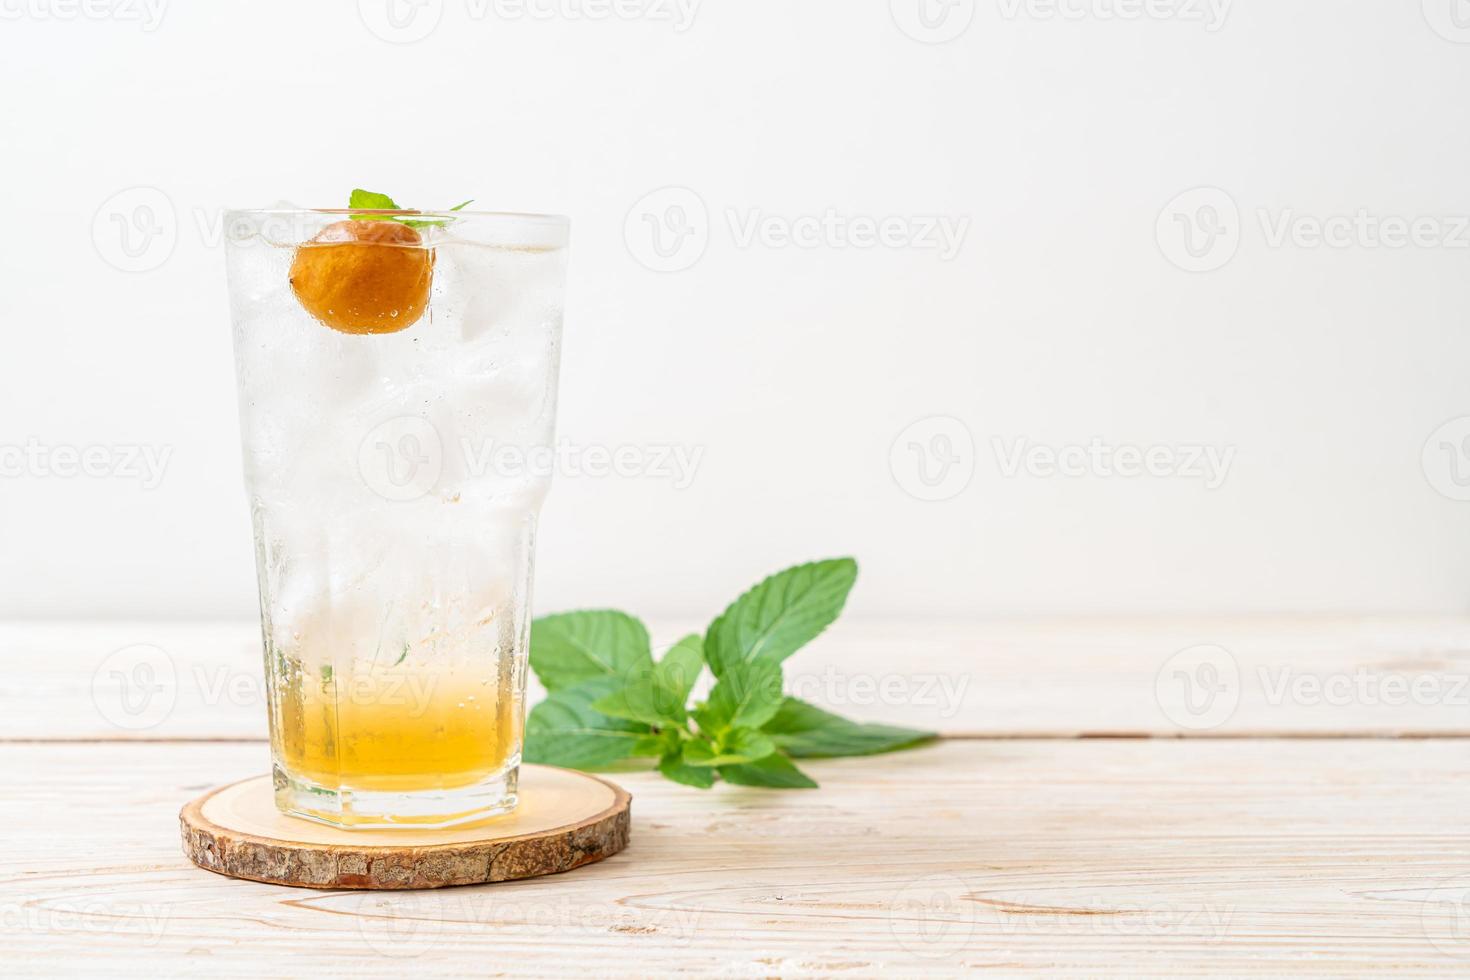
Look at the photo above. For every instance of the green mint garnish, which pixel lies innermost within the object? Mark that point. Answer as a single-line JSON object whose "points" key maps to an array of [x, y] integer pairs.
{"points": [[373, 201], [610, 703]]}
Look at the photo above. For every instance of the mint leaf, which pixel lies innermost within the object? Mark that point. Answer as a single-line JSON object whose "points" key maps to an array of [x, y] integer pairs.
{"points": [[361, 200], [805, 731], [609, 702], [747, 695], [659, 695], [740, 745], [780, 615], [372, 201], [642, 701], [681, 666], [565, 730], [774, 771], [673, 767], [747, 742], [656, 745], [700, 753], [575, 647]]}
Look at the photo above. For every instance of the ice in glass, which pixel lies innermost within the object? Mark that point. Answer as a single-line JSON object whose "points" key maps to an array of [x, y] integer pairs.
{"points": [[397, 377]]}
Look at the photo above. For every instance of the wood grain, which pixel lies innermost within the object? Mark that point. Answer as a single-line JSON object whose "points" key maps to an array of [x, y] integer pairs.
{"points": [[1200, 849], [1285, 676], [1084, 858], [565, 820]]}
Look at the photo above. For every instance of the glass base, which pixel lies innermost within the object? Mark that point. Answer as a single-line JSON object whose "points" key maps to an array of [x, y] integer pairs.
{"points": [[358, 809]]}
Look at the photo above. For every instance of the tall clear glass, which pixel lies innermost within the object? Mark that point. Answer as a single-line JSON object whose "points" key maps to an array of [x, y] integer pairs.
{"points": [[397, 383]]}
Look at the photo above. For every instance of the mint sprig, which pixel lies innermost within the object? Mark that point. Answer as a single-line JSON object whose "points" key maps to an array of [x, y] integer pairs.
{"points": [[611, 705], [361, 200]]}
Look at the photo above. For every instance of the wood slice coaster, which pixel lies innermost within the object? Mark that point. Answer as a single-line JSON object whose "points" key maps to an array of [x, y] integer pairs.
{"points": [[565, 820]]}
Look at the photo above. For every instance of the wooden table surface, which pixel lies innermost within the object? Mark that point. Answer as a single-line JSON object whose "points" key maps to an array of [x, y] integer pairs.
{"points": [[1166, 797]]}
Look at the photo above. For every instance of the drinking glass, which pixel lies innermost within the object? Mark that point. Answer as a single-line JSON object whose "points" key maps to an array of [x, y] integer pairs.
{"points": [[396, 375]]}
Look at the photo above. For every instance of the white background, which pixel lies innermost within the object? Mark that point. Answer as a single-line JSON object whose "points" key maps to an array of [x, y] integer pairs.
{"points": [[1064, 316]]}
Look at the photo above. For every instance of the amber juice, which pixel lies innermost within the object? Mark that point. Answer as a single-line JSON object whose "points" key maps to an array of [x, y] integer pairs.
{"points": [[395, 730], [408, 714]]}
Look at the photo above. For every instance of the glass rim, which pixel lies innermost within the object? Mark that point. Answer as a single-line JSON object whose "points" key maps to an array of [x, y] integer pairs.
{"points": [[559, 220]]}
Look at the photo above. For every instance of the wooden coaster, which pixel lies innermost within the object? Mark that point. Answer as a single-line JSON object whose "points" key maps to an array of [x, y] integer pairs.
{"points": [[565, 819]]}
